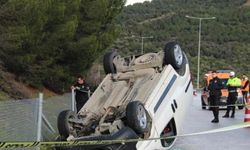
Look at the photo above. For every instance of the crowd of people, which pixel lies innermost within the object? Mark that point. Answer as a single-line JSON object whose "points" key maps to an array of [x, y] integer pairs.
{"points": [[233, 84]]}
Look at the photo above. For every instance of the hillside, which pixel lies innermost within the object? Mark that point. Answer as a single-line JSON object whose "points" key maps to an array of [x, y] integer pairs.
{"points": [[10, 88], [225, 42], [47, 43]]}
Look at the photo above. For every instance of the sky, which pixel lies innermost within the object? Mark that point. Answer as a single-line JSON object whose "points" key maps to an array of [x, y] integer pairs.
{"points": [[129, 2]]}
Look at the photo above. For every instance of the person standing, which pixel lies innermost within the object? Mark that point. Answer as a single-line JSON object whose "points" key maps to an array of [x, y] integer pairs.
{"points": [[82, 91], [214, 88], [233, 84], [244, 87]]}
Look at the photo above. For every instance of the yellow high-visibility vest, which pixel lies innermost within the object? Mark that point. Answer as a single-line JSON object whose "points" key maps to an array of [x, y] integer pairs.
{"points": [[234, 82]]}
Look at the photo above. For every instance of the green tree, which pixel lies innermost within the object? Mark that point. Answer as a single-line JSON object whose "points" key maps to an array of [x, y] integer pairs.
{"points": [[47, 42]]}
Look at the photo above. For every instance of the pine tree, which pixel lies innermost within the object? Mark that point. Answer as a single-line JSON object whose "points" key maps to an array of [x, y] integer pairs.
{"points": [[47, 42]]}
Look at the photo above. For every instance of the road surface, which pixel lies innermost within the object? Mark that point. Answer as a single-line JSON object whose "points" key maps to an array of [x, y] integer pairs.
{"points": [[198, 120]]}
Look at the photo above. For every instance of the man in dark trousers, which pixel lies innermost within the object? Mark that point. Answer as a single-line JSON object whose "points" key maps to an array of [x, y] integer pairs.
{"points": [[233, 83], [214, 87], [82, 92]]}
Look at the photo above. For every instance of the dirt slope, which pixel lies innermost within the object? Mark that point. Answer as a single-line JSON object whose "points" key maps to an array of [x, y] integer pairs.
{"points": [[247, 3], [10, 88]]}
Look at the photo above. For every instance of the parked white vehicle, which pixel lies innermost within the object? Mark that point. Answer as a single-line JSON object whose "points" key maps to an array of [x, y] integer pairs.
{"points": [[142, 96]]}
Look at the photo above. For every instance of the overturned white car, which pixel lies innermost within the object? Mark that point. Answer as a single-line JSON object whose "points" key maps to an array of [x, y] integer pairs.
{"points": [[141, 97]]}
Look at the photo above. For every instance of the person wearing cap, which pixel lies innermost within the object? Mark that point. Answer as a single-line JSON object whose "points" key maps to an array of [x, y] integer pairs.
{"points": [[244, 87], [82, 92], [233, 84], [214, 88]]}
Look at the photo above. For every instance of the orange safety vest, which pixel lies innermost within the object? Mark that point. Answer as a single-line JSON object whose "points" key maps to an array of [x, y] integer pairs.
{"points": [[243, 82]]}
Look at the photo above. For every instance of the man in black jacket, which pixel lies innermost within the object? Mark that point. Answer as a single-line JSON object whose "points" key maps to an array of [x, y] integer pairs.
{"points": [[214, 87], [82, 92]]}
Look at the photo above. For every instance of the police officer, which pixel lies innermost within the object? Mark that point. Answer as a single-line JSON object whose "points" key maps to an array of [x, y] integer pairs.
{"points": [[233, 84], [82, 92], [214, 87]]}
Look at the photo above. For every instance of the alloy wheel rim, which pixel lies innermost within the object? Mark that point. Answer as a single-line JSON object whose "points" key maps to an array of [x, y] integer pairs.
{"points": [[178, 54], [142, 117]]}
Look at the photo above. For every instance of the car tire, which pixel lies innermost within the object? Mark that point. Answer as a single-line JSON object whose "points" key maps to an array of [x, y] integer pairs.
{"points": [[138, 118], [108, 64], [63, 124], [203, 105], [105, 148], [122, 134], [209, 107], [241, 102], [59, 139], [173, 55], [240, 107]]}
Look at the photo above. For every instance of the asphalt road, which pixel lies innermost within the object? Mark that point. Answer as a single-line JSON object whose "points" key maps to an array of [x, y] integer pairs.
{"points": [[198, 120]]}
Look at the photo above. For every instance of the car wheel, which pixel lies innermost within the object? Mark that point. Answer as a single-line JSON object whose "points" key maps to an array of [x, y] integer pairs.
{"points": [[137, 117], [105, 148], [65, 127], [108, 64], [240, 102], [173, 55], [209, 107], [240, 107], [59, 139], [203, 105]]}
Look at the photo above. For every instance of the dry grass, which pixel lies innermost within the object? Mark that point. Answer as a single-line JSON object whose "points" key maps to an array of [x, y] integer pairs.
{"points": [[247, 3], [13, 89]]}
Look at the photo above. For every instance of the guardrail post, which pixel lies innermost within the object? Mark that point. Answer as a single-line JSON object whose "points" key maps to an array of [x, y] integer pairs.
{"points": [[48, 123], [73, 100], [39, 122]]}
